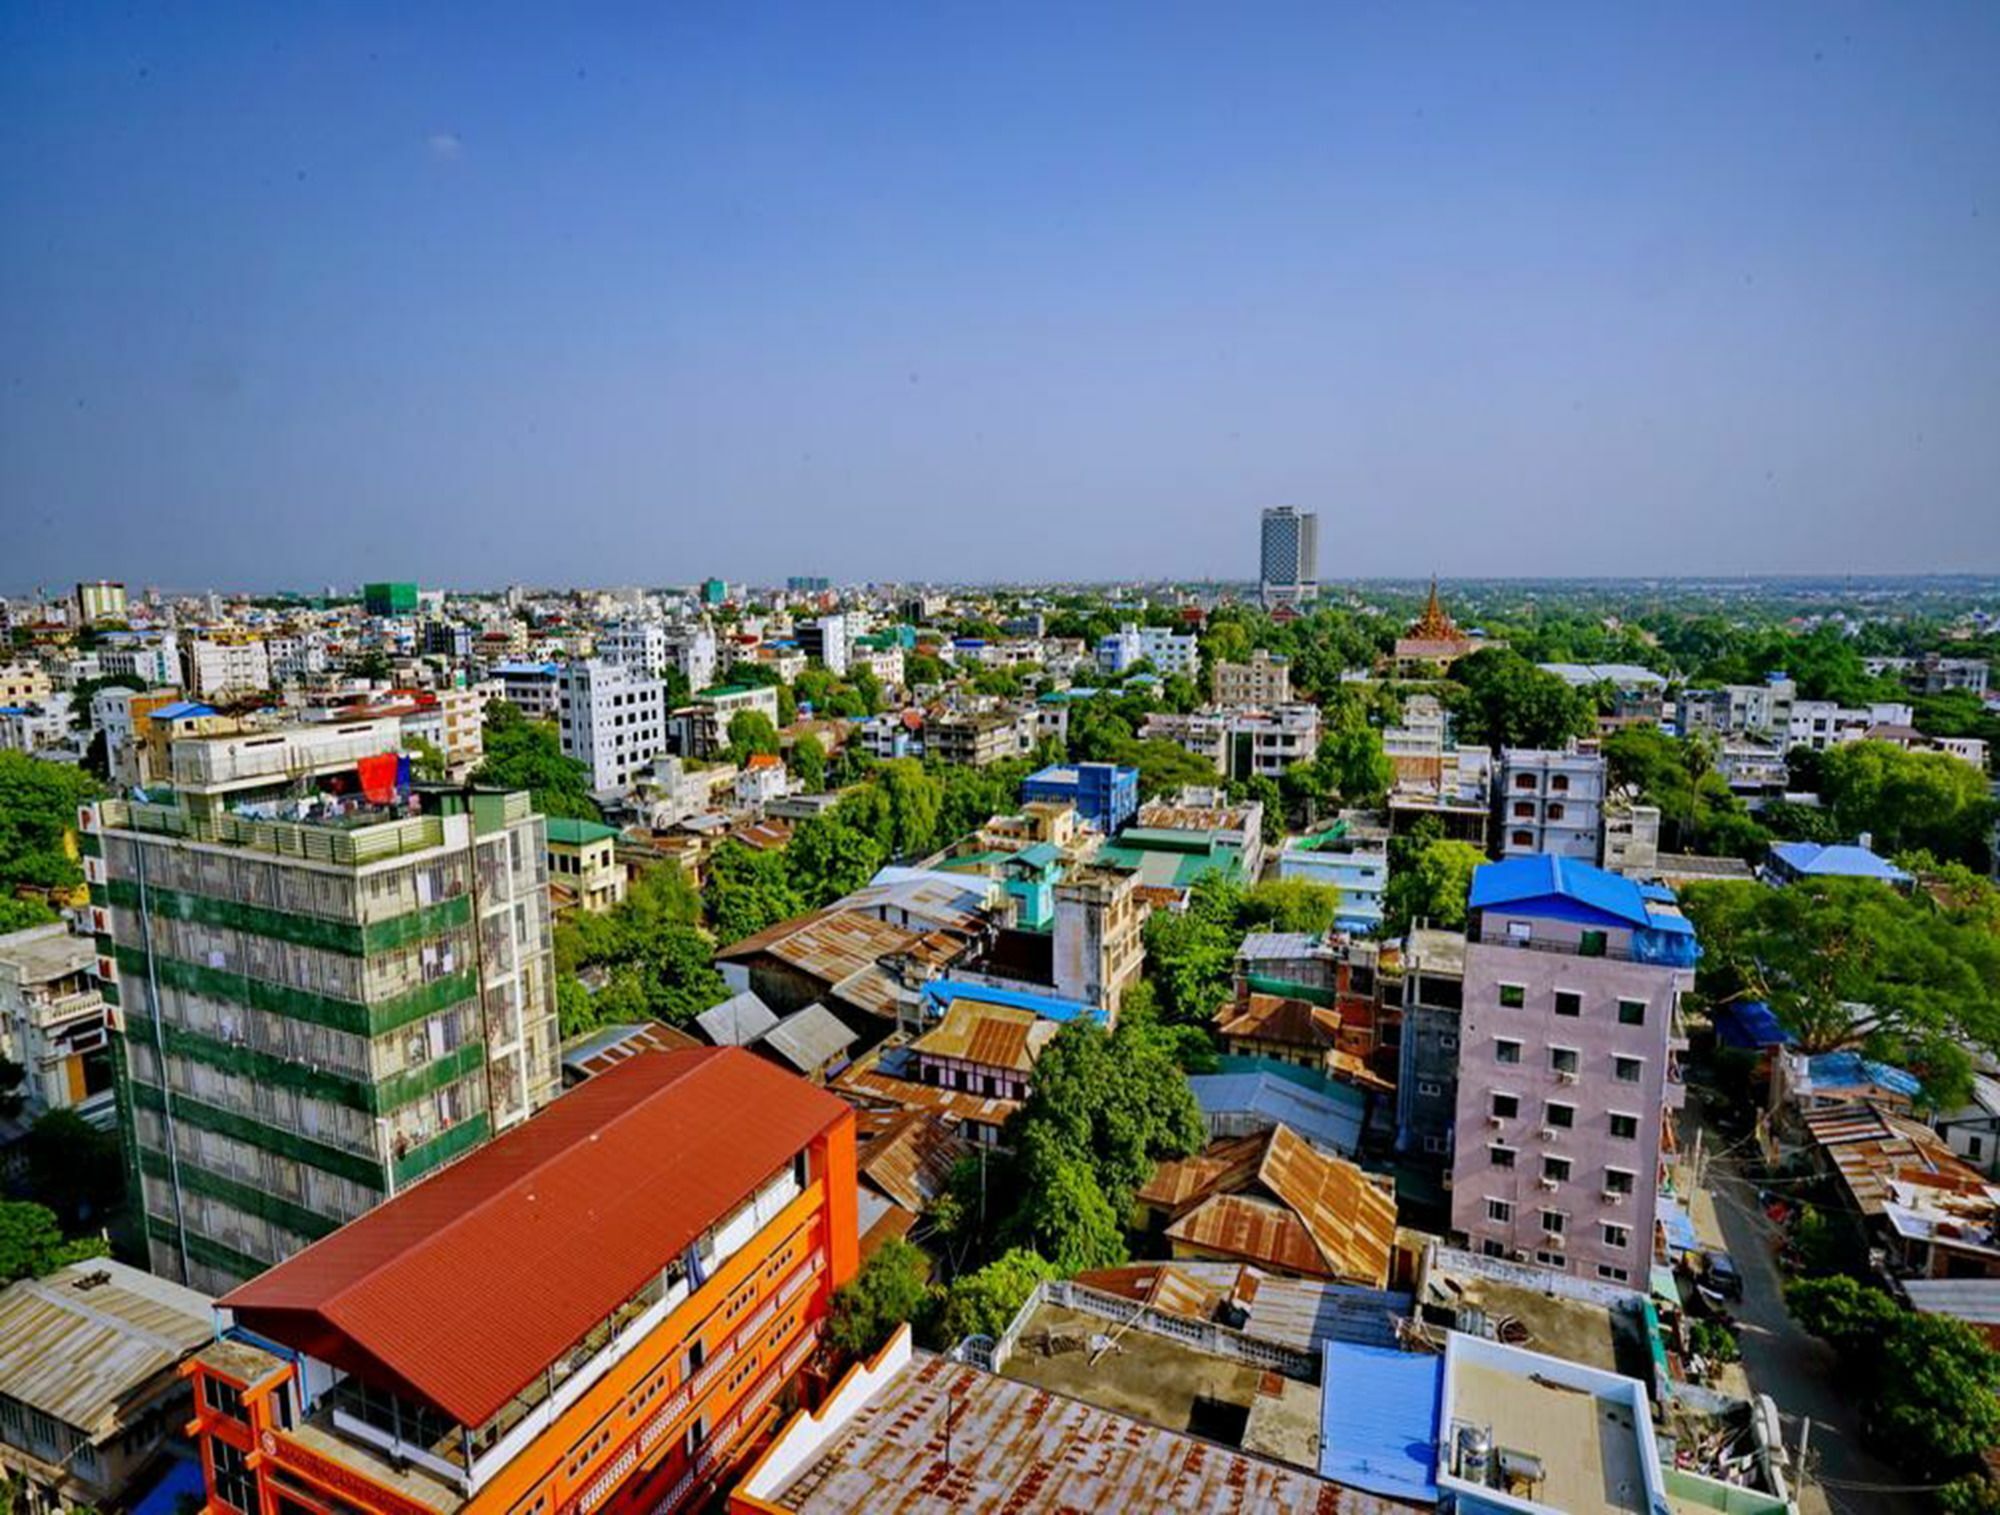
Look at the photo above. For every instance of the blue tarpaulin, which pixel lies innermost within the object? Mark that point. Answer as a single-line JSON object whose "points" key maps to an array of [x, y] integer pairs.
{"points": [[1749, 1025], [1679, 1226]]}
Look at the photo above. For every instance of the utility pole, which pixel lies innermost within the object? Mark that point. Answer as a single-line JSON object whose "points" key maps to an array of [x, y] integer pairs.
{"points": [[1805, 1435]]}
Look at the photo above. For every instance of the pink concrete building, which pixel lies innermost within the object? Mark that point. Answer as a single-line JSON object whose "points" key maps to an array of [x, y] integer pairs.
{"points": [[1568, 1068]]}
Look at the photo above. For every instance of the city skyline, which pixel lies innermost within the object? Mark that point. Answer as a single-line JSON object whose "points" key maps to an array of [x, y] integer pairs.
{"points": [[286, 289]]}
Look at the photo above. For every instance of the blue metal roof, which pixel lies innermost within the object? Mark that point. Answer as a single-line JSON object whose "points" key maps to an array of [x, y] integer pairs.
{"points": [[940, 992], [1838, 861], [1678, 1224], [1378, 1419], [1850, 1070], [1748, 1025], [1561, 888], [1330, 1118], [181, 710]]}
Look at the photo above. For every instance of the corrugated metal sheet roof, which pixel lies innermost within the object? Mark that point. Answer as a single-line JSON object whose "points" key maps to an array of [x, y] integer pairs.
{"points": [[462, 1289], [1275, 1018], [992, 1036], [842, 944], [1225, 1167], [1326, 1119], [78, 1342], [1379, 1419], [1976, 1300], [605, 1049], [869, 1082], [908, 1155], [809, 1039], [1017, 1449], [1352, 1219], [737, 1021], [1256, 1230]]}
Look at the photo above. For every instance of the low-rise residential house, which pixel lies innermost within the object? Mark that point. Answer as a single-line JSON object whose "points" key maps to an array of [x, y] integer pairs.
{"points": [[983, 1047], [903, 1160], [1550, 802], [55, 1023], [91, 1389], [762, 779], [1338, 858], [1933, 673], [1275, 1201], [1242, 743], [1792, 862], [814, 1043], [977, 739], [1932, 1214], [584, 865]]}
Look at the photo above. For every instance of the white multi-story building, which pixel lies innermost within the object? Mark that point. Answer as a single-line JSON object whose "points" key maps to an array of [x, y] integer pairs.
{"points": [[885, 663], [1242, 743], [1820, 724], [154, 659], [1168, 651], [612, 719], [217, 668], [1551, 802], [827, 640], [54, 1024], [1740, 709], [296, 658]]}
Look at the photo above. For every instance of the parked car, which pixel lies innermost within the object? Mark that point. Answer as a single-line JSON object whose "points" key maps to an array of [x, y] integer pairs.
{"points": [[1722, 1275]]}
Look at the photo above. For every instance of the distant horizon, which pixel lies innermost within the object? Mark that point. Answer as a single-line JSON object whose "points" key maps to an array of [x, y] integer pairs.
{"points": [[66, 589]]}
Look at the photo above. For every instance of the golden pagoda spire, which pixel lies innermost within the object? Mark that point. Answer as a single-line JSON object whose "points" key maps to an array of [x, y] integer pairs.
{"points": [[1434, 624]]}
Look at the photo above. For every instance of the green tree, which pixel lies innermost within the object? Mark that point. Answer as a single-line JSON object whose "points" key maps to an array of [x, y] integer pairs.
{"points": [[73, 1168], [1503, 700], [747, 890], [808, 763], [1909, 799], [923, 668], [576, 1010], [32, 1243], [427, 759], [1429, 883], [1190, 953], [1854, 963], [891, 1288], [828, 856], [19, 914], [1164, 767], [38, 804], [751, 734], [984, 1303], [1063, 1211], [525, 754], [1291, 905]]}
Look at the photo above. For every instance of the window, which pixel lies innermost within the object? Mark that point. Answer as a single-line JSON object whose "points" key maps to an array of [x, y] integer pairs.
{"points": [[1627, 1069], [1553, 1260], [1556, 1168], [1513, 996], [1506, 1051], [1972, 1146], [1447, 1043], [1429, 1089], [1502, 1157], [1524, 781], [1524, 839], [1499, 1211], [1619, 1180], [1559, 782], [1561, 1116], [1524, 810], [1625, 1127], [1616, 1235], [221, 1397], [1435, 1145], [233, 1484], [1492, 1248], [1555, 811], [1564, 1060], [1611, 1274], [1569, 1004], [1592, 944], [1553, 1222], [1506, 1106], [1631, 1012]]}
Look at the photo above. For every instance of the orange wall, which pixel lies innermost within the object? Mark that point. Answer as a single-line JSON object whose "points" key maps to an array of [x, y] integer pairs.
{"points": [[617, 1421]]}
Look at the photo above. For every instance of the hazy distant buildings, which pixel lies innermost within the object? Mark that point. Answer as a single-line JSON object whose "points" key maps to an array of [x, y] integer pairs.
{"points": [[1289, 573], [100, 601]]}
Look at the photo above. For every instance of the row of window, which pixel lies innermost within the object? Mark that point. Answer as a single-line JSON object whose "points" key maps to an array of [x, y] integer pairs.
{"points": [[1560, 1169], [1556, 1260], [1560, 1116], [1569, 1004], [1568, 1061], [1556, 1223]]}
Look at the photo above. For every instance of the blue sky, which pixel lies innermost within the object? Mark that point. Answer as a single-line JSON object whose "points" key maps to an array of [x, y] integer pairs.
{"points": [[302, 294]]}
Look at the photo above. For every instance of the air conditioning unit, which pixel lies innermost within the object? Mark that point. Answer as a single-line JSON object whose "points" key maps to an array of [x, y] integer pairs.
{"points": [[1549, 1184], [1611, 1196], [1496, 1121], [1548, 1133], [1522, 1254], [1566, 1076], [1553, 1240]]}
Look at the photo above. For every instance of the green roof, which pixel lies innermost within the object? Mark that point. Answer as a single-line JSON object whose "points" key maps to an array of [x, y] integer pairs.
{"points": [[565, 832], [719, 690]]}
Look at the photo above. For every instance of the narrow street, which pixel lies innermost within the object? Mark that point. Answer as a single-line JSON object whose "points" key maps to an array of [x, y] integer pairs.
{"points": [[1795, 1369]]}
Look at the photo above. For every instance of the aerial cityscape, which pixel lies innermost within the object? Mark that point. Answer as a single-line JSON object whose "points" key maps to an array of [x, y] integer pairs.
{"points": [[920, 763]]}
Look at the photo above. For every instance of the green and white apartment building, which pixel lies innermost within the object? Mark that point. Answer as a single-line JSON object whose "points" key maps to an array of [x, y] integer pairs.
{"points": [[317, 1000]]}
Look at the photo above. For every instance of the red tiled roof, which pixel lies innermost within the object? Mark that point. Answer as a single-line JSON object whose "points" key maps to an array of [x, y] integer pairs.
{"points": [[462, 1289]]}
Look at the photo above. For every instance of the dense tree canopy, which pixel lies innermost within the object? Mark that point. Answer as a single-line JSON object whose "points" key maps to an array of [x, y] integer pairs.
{"points": [[525, 754], [1908, 800], [892, 1287], [38, 802], [1503, 700], [1428, 883], [1854, 963], [657, 961], [32, 1243]]}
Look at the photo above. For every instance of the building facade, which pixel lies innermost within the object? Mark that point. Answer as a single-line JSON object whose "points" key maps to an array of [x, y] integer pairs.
{"points": [[1262, 682], [315, 1008], [216, 668], [54, 1024], [1105, 795], [613, 720], [502, 1340], [1568, 1065], [1288, 556], [1549, 801]]}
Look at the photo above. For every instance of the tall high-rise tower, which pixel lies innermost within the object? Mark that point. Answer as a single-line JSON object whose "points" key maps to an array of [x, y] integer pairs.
{"points": [[1289, 572]]}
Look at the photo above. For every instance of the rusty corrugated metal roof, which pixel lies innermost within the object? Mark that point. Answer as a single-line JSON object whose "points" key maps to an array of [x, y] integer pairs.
{"points": [[908, 1155], [1222, 1168], [1274, 1018], [464, 1288], [992, 1036], [867, 1084]]}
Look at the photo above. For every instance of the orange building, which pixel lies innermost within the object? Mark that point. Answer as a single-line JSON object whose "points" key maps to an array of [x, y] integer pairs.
{"points": [[591, 1313]]}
